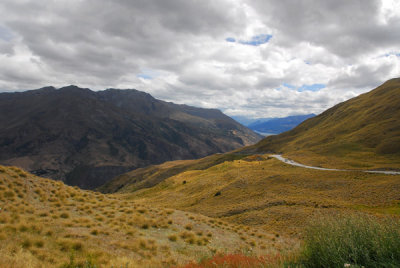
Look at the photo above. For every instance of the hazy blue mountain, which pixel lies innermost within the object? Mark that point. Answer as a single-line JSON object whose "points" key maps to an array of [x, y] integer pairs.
{"points": [[245, 121], [277, 125]]}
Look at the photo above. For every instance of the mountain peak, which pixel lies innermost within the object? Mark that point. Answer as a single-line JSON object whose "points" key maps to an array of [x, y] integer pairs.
{"points": [[74, 88]]}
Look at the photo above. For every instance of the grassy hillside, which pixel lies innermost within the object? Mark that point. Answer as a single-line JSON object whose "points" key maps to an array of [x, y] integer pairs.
{"points": [[361, 133], [44, 223], [262, 191], [152, 175]]}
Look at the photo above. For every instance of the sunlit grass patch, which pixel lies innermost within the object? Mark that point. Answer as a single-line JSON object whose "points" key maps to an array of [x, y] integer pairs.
{"points": [[237, 261], [393, 209]]}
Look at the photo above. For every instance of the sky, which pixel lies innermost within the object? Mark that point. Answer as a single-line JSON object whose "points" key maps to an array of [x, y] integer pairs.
{"points": [[254, 58]]}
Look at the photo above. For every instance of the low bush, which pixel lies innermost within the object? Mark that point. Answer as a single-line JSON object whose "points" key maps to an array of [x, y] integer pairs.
{"points": [[94, 232], [39, 243], [64, 215], [173, 238], [352, 241]]}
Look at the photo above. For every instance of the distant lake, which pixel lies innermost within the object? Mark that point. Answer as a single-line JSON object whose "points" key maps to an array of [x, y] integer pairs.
{"points": [[264, 133]]}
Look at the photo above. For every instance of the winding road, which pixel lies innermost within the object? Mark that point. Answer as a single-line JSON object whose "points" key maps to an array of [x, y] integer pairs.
{"points": [[293, 163]]}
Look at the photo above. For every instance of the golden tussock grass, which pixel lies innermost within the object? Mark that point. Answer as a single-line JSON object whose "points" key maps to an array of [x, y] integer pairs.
{"points": [[272, 196], [44, 223]]}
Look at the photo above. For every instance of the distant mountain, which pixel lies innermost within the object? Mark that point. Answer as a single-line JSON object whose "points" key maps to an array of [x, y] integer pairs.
{"points": [[85, 138], [245, 121], [278, 125]]}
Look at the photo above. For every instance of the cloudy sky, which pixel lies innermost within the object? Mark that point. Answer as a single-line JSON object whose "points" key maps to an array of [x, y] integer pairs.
{"points": [[257, 58]]}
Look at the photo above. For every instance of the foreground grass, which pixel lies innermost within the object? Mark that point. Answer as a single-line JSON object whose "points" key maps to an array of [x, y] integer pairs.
{"points": [[356, 241], [44, 223], [238, 261]]}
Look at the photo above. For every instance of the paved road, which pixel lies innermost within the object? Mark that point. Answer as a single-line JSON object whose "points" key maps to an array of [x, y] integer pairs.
{"points": [[293, 163]]}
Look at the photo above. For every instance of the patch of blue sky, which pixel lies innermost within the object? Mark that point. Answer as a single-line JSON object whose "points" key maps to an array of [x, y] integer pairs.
{"points": [[5, 34], [397, 54], [148, 74], [257, 40], [313, 87], [288, 85], [145, 76], [254, 41]]}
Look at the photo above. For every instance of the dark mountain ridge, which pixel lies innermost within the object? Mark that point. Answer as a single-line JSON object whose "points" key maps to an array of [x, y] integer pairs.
{"points": [[86, 138]]}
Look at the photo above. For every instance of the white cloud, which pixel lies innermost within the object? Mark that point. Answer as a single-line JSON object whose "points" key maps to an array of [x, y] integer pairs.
{"points": [[177, 50]]}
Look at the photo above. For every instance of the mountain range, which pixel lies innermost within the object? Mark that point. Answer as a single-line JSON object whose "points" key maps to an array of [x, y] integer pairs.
{"points": [[85, 138], [278, 125]]}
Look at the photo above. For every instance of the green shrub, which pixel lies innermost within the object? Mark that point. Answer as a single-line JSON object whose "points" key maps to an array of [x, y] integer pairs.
{"points": [[26, 243], [77, 246], [64, 215], [173, 238], [87, 263], [39, 243], [352, 240], [9, 194]]}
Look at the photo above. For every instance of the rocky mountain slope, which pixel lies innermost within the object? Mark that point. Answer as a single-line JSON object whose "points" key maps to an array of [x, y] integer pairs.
{"points": [[86, 138]]}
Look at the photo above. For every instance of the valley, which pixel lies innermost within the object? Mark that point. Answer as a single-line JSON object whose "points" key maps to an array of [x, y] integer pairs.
{"points": [[260, 203], [272, 126]]}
